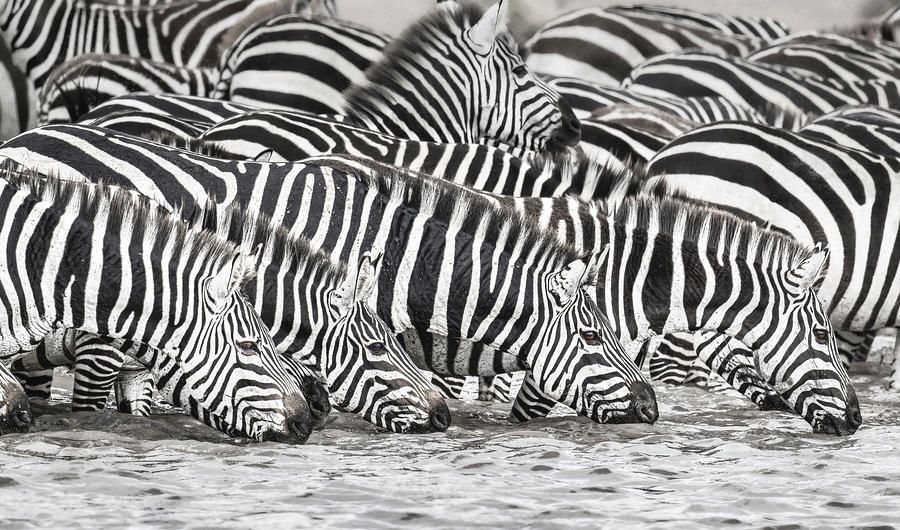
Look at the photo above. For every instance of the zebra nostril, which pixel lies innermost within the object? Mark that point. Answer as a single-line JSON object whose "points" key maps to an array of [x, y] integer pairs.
{"points": [[644, 403], [23, 417], [440, 418], [300, 426]]}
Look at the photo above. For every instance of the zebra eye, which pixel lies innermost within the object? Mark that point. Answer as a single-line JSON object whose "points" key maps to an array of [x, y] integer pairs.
{"points": [[520, 71], [590, 336], [248, 346], [376, 347], [821, 335]]}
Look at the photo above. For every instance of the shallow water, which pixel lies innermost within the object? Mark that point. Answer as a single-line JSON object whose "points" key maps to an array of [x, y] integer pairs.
{"points": [[710, 461]]}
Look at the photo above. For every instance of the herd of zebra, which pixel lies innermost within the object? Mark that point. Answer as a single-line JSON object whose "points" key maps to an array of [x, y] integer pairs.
{"points": [[259, 211]]}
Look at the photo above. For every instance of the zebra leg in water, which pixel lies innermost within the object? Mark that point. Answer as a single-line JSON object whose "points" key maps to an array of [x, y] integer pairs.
{"points": [[35, 370], [854, 347]]}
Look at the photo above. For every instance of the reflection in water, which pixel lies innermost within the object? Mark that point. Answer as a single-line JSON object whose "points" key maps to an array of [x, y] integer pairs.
{"points": [[711, 460]]}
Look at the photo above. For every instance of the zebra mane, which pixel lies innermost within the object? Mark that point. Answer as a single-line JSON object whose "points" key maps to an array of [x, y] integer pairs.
{"points": [[146, 216], [600, 179], [688, 220], [469, 211], [408, 48]]}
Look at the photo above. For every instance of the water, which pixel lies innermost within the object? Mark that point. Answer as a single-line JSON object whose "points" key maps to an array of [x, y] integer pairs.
{"points": [[710, 461]]}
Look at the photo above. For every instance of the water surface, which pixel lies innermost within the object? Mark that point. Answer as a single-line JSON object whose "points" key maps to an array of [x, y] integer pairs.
{"points": [[711, 461]]}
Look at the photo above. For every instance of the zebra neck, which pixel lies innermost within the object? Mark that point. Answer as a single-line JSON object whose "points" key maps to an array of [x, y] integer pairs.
{"points": [[670, 285]]}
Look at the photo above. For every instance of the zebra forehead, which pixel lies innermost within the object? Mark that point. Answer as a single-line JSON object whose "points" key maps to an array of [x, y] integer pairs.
{"points": [[470, 212], [689, 220]]}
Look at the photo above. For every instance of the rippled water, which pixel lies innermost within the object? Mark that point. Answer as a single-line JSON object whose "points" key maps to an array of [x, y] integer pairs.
{"points": [[711, 461]]}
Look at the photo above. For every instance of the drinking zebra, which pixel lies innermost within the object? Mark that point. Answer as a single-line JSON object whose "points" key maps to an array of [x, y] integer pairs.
{"points": [[603, 45], [818, 191], [523, 295], [105, 262]]}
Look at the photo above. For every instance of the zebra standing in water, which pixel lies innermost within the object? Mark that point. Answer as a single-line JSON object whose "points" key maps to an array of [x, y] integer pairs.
{"points": [[316, 311], [109, 254], [715, 272], [514, 290], [813, 189], [602, 45]]}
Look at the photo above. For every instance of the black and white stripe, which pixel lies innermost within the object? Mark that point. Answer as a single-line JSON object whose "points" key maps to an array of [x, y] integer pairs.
{"points": [[513, 290], [96, 260]]}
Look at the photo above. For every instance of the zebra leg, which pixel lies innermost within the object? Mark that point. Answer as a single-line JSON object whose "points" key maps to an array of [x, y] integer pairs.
{"points": [[97, 364], [895, 372], [501, 387], [735, 364], [34, 370], [531, 403], [134, 391]]}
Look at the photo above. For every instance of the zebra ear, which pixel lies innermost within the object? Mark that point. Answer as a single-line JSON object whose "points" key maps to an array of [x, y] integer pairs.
{"points": [[264, 156], [804, 276], [367, 277], [226, 281], [492, 23], [596, 263], [563, 285]]}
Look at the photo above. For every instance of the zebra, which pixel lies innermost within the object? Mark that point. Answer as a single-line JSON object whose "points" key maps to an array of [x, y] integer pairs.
{"points": [[755, 27], [813, 189], [200, 111], [294, 62], [15, 411], [80, 84], [314, 310], [832, 56], [587, 98], [94, 257], [755, 85], [762, 294], [863, 127], [150, 124], [515, 291], [456, 76], [603, 45], [192, 34]]}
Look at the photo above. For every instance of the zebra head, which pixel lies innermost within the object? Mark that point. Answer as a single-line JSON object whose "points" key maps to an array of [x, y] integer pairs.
{"points": [[456, 76], [516, 107], [15, 412], [234, 372], [807, 372], [580, 361], [368, 372]]}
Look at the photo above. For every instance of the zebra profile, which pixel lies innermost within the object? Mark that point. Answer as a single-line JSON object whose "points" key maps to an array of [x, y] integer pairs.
{"points": [[294, 62], [514, 290], [818, 191], [80, 84], [754, 85], [603, 45], [15, 411], [110, 254], [456, 76]]}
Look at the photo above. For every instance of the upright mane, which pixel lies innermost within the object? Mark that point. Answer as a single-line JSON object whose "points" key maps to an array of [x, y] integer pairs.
{"points": [[385, 76], [591, 177], [690, 220]]}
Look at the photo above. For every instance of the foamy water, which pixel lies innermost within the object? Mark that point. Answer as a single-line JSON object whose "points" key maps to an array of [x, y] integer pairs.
{"points": [[710, 461]]}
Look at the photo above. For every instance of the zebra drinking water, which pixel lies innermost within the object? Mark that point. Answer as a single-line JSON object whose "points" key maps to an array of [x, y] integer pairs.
{"points": [[15, 411], [105, 262]]}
